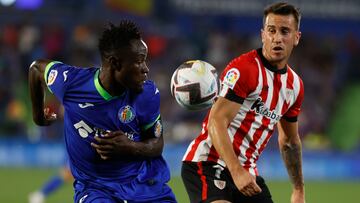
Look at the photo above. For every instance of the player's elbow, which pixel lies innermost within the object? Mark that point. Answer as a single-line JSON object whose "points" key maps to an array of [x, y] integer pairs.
{"points": [[39, 65], [38, 121]]}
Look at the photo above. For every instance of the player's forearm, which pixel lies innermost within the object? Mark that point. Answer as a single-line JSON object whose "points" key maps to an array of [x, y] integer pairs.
{"points": [[291, 154], [148, 148], [37, 94]]}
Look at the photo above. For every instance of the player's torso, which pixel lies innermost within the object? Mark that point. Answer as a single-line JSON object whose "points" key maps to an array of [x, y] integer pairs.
{"points": [[88, 114], [270, 97]]}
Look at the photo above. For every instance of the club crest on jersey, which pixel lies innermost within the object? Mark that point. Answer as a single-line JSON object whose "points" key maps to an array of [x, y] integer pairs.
{"points": [[158, 129], [220, 184], [231, 77], [289, 94], [52, 77], [126, 114]]}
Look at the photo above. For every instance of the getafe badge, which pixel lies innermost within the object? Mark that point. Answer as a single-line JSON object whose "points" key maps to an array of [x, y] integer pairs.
{"points": [[126, 114]]}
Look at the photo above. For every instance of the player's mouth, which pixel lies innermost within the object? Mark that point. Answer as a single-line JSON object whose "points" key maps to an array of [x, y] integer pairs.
{"points": [[277, 49]]}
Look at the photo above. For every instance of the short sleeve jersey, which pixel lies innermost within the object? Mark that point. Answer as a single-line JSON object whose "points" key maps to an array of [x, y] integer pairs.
{"points": [[266, 95], [91, 111]]}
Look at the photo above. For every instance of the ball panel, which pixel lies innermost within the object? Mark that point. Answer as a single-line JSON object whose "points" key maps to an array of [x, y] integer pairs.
{"points": [[194, 84]]}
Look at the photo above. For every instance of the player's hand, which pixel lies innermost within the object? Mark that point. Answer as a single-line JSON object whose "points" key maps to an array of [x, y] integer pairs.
{"points": [[298, 196], [49, 117], [112, 144], [245, 182]]}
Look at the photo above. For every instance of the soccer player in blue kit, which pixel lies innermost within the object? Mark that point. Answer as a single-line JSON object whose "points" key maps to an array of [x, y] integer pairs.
{"points": [[113, 129]]}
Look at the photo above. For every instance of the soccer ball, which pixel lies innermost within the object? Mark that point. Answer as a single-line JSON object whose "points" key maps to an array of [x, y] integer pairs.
{"points": [[195, 85]]}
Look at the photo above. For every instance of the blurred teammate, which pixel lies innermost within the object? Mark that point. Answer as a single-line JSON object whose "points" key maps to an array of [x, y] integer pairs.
{"points": [[259, 91], [113, 129], [52, 185]]}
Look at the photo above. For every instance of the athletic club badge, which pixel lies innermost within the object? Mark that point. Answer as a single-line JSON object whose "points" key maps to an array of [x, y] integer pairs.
{"points": [[231, 77], [126, 114], [220, 184]]}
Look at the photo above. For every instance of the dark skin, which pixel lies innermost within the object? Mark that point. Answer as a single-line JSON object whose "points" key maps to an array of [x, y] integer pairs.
{"points": [[124, 69]]}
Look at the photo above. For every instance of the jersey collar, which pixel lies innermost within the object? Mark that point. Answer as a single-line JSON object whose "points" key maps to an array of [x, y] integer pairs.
{"points": [[101, 90], [268, 66]]}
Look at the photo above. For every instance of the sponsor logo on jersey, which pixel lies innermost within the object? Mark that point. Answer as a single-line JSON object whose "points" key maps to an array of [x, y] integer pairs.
{"points": [[85, 105], [259, 107], [126, 114], [231, 77], [52, 77], [220, 184], [158, 129]]}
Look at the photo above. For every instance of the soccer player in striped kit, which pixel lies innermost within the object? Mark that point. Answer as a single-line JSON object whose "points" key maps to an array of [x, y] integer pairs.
{"points": [[259, 91]]}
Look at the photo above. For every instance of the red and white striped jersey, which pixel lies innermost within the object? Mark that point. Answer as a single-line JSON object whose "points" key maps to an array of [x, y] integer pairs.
{"points": [[266, 95]]}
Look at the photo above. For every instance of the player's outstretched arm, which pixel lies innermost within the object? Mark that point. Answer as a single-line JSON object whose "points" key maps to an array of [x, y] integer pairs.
{"points": [[41, 116], [221, 115], [290, 148]]}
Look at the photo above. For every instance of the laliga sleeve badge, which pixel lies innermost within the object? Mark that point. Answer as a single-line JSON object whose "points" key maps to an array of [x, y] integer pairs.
{"points": [[158, 128], [231, 77], [52, 77]]}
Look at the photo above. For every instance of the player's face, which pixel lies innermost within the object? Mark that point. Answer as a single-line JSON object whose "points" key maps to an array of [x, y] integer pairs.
{"points": [[134, 69], [279, 36]]}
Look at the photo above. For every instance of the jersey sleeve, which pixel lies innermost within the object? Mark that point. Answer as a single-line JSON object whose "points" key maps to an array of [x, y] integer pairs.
{"points": [[293, 112], [58, 77], [149, 106], [238, 80]]}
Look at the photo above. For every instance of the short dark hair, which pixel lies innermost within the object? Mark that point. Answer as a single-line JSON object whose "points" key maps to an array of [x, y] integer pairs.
{"points": [[283, 8], [115, 38]]}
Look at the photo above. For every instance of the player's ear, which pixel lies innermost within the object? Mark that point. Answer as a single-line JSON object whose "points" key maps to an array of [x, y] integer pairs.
{"points": [[262, 35], [115, 62], [297, 38]]}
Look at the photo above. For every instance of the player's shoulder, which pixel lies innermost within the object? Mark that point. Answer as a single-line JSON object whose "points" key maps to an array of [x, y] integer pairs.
{"points": [[245, 64], [149, 90], [295, 75], [149, 96], [245, 59], [150, 87]]}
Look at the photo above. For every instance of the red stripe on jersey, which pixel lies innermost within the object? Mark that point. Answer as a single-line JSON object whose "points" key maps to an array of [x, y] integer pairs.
{"points": [[213, 155], [203, 181], [289, 85], [199, 139], [242, 131], [263, 145], [265, 121]]}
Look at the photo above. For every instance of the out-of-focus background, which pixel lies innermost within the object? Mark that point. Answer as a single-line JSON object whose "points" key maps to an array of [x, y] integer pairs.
{"points": [[216, 31]]}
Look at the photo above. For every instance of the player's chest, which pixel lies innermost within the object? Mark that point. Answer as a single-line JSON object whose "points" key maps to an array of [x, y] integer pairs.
{"points": [[107, 116], [271, 100]]}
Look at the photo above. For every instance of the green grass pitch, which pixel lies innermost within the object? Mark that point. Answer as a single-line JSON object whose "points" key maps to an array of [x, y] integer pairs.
{"points": [[16, 183]]}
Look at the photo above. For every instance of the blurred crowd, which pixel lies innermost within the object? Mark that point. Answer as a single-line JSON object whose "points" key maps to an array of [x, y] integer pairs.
{"points": [[326, 63]]}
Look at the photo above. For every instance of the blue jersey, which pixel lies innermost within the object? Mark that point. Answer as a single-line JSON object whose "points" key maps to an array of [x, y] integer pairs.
{"points": [[91, 111]]}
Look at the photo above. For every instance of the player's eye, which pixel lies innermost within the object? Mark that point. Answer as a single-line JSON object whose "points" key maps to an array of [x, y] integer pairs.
{"points": [[285, 31], [271, 30]]}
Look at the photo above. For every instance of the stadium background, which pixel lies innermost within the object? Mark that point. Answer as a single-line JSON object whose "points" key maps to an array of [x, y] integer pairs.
{"points": [[178, 30]]}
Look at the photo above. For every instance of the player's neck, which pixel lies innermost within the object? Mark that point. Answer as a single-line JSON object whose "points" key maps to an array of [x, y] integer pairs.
{"points": [[107, 81]]}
